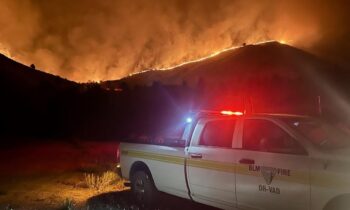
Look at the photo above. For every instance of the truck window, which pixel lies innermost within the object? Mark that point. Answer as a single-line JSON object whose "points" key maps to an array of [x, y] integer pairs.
{"points": [[321, 134], [218, 133], [265, 136]]}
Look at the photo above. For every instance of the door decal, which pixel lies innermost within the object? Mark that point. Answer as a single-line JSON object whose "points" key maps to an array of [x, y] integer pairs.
{"points": [[268, 173]]}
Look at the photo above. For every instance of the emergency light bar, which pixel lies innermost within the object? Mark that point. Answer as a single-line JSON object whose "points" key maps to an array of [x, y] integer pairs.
{"points": [[226, 112], [198, 113]]}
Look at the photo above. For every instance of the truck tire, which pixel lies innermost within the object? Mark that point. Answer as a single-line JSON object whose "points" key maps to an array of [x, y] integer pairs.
{"points": [[143, 188]]}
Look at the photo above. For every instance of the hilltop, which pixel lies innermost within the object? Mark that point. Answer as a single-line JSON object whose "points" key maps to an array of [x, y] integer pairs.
{"points": [[263, 61]]}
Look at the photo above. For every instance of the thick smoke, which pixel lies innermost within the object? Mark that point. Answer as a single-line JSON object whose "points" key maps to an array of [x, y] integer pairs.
{"points": [[100, 40]]}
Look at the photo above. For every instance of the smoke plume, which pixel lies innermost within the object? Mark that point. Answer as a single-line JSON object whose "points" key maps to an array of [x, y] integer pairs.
{"points": [[86, 40]]}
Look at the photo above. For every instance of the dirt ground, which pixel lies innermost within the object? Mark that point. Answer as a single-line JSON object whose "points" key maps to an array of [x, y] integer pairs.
{"points": [[53, 176]]}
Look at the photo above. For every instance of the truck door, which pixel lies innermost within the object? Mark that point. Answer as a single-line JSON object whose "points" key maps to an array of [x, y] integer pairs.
{"points": [[210, 163], [272, 168]]}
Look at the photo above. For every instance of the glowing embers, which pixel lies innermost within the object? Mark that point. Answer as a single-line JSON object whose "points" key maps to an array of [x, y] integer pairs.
{"points": [[227, 112], [285, 41], [282, 41]]}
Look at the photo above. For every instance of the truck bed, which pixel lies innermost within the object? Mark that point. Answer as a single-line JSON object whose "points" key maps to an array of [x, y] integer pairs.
{"points": [[165, 163]]}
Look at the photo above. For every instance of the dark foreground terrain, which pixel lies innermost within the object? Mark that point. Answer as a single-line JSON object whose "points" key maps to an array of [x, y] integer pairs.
{"points": [[54, 176]]}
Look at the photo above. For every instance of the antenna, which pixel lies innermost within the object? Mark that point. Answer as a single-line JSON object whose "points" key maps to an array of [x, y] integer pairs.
{"points": [[251, 104], [244, 104], [248, 105]]}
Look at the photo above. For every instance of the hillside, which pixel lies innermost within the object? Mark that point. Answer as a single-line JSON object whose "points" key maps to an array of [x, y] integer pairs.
{"points": [[238, 65], [37, 106], [12, 72], [276, 77], [269, 77], [31, 100]]}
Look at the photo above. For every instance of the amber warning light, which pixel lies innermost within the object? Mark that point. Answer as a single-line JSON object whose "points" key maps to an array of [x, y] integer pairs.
{"points": [[226, 112], [189, 119]]}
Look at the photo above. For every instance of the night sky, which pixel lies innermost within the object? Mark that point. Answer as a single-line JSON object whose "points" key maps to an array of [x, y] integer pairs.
{"points": [[90, 40]]}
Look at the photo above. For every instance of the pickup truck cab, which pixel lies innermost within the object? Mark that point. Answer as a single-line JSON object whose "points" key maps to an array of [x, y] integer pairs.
{"points": [[233, 161]]}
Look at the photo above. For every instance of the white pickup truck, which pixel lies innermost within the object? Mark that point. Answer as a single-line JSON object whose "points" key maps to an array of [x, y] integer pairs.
{"points": [[234, 161]]}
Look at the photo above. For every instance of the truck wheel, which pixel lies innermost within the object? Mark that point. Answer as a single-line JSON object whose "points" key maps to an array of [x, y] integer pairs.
{"points": [[143, 188]]}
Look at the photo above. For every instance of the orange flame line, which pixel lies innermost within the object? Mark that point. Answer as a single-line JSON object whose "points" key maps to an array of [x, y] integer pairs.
{"points": [[201, 59]]}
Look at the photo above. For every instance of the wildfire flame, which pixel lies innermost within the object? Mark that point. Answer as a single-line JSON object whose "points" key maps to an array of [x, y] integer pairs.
{"points": [[282, 41], [285, 41], [5, 51]]}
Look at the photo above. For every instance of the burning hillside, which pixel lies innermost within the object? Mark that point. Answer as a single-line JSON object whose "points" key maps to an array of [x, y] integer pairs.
{"points": [[269, 77], [92, 40], [238, 65], [277, 77]]}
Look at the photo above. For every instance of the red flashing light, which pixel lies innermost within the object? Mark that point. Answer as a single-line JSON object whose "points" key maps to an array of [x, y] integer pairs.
{"points": [[226, 112]]}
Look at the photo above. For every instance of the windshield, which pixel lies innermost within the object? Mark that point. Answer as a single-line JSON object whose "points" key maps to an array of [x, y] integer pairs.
{"points": [[320, 133]]}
